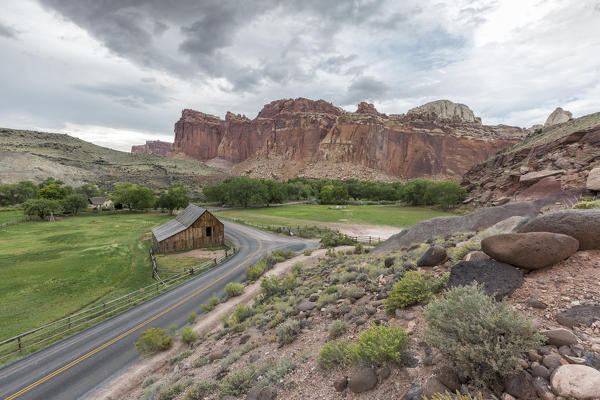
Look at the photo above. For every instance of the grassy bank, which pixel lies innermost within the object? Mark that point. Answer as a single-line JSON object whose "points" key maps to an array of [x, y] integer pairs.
{"points": [[50, 270], [307, 214]]}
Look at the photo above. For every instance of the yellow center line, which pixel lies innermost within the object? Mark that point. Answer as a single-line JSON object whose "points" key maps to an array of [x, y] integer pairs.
{"points": [[105, 345]]}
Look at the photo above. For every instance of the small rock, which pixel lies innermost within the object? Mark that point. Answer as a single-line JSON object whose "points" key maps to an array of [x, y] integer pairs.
{"points": [[575, 360], [552, 361], [362, 380], [476, 256], [433, 386], [267, 393], [535, 303], [389, 261], [435, 255], [579, 315], [340, 384], [506, 396], [560, 337], [384, 373], [448, 376], [215, 355], [592, 359], [244, 339], [534, 355], [520, 386], [578, 381], [414, 392], [409, 359], [313, 297], [306, 306], [541, 371]]}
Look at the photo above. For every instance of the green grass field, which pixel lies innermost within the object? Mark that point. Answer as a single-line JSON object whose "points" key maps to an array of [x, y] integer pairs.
{"points": [[10, 215], [307, 214], [52, 269]]}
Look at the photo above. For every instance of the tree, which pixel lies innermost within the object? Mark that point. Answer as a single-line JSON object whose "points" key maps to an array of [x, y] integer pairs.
{"points": [[331, 194], [445, 194], [414, 192], [89, 189], [214, 193], [142, 197], [41, 207], [53, 191], [176, 198], [123, 194], [275, 192], [49, 181], [75, 202]]}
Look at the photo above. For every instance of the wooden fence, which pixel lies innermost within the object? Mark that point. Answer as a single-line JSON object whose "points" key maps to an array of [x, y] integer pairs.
{"points": [[35, 339]]}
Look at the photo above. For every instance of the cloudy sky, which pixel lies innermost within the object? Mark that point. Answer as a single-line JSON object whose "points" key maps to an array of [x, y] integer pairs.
{"points": [[117, 72]]}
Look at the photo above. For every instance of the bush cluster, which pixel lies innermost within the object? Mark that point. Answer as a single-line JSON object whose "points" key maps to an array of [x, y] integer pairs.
{"points": [[154, 340], [200, 390], [288, 331], [233, 289], [212, 303], [274, 286], [188, 335], [413, 288], [266, 263], [237, 383], [484, 337], [332, 239], [337, 329]]}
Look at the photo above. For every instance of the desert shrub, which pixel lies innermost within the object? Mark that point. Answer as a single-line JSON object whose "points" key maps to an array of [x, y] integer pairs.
{"points": [[237, 383], [297, 268], [273, 373], [484, 337], [274, 286], [457, 253], [326, 298], [192, 317], [349, 276], [288, 331], [200, 390], [154, 340], [413, 288], [149, 381], [381, 345], [241, 313], [233, 289], [586, 205], [307, 252], [188, 335], [454, 396], [152, 391], [335, 353], [181, 356], [352, 291], [255, 271], [173, 329], [212, 303], [337, 329], [331, 239], [358, 248], [200, 362], [170, 392]]}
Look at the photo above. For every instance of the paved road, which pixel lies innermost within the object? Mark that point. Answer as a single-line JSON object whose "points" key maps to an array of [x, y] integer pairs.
{"points": [[76, 367]]}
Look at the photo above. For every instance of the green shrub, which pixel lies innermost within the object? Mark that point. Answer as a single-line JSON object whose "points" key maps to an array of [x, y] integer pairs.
{"points": [[454, 396], [153, 340], [337, 329], [170, 392], [358, 248], [200, 390], [335, 353], [181, 356], [149, 381], [212, 303], [350, 276], [200, 362], [173, 329], [308, 252], [484, 337], [188, 335], [241, 313], [237, 382], [331, 239], [381, 345], [586, 205], [413, 288], [152, 391], [456, 254], [274, 286], [326, 298], [192, 317], [272, 374], [288, 331], [233, 289]]}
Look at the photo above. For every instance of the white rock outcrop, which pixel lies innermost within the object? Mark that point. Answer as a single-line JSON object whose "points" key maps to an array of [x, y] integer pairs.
{"points": [[445, 109], [558, 116]]}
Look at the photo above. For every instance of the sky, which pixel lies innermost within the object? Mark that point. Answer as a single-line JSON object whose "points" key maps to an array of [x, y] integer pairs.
{"points": [[119, 72]]}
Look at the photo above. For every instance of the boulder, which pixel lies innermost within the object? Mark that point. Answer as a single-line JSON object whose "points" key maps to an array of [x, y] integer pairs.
{"points": [[531, 250], [306, 306], [547, 186], [541, 371], [415, 392], [583, 225], [552, 361], [558, 116], [579, 315], [433, 386], [267, 393], [476, 256], [593, 180], [532, 177], [520, 385], [499, 279], [362, 380], [578, 381], [341, 384], [435, 255], [389, 261], [448, 376]]}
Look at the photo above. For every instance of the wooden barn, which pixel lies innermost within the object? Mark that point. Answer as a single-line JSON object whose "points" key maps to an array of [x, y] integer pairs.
{"points": [[192, 228]]}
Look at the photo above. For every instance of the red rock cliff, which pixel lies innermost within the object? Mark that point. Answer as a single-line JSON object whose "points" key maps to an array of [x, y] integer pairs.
{"points": [[422, 144], [153, 147]]}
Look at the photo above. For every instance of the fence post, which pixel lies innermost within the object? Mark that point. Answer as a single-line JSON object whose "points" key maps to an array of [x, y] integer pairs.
{"points": [[69, 320], [192, 271], [215, 261], [19, 342], [369, 239]]}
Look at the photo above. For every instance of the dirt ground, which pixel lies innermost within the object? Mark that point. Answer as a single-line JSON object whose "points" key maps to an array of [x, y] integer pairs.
{"points": [[199, 253], [377, 231]]}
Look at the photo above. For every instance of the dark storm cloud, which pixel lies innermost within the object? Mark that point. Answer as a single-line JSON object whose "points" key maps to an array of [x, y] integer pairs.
{"points": [[7, 31], [365, 88], [136, 96]]}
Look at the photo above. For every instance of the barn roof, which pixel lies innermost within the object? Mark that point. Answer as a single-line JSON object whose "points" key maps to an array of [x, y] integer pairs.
{"points": [[180, 223], [97, 201]]}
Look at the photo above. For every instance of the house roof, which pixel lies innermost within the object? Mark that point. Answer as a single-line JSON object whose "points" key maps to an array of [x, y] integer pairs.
{"points": [[181, 222], [97, 201]]}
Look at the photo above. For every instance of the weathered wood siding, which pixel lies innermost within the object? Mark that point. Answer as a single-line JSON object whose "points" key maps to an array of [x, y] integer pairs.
{"points": [[195, 236]]}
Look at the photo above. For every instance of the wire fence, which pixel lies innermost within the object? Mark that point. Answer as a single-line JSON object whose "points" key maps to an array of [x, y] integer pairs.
{"points": [[35, 339]]}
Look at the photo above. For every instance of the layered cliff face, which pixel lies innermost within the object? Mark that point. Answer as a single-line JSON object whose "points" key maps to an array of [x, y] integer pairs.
{"points": [[157, 147], [441, 141]]}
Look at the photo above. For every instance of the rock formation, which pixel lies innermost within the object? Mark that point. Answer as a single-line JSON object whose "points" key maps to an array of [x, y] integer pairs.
{"points": [[153, 147], [440, 140], [558, 116]]}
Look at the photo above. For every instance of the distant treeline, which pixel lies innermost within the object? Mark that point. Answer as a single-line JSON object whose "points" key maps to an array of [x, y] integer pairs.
{"points": [[245, 191], [54, 196]]}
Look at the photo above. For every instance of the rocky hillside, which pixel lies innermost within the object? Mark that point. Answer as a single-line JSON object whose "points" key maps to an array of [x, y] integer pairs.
{"points": [[309, 138], [157, 147], [556, 159], [28, 155]]}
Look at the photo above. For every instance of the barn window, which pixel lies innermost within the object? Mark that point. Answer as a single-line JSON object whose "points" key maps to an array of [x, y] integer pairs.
{"points": [[208, 230]]}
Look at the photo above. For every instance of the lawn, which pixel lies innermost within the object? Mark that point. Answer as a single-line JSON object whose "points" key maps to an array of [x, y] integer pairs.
{"points": [[52, 269], [306, 214], [8, 215]]}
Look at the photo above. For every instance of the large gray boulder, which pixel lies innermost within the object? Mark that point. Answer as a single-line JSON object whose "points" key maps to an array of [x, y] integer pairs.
{"points": [[583, 225], [362, 380], [498, 279], [531, 250], [477, 221], [435, 255], [585, 314], [593, 180], [576, 381]]}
